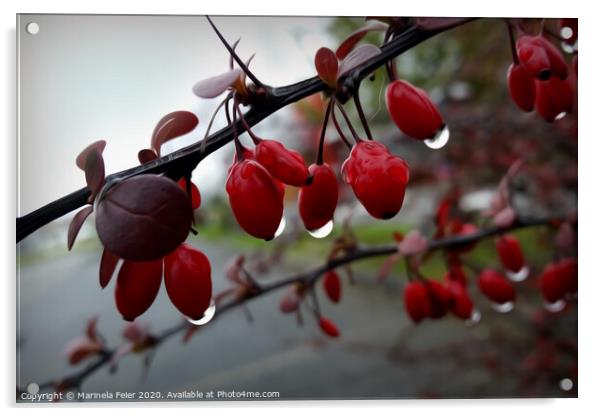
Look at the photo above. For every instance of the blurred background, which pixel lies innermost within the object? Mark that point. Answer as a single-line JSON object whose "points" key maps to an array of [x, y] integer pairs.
{"points": [[86, 77]]}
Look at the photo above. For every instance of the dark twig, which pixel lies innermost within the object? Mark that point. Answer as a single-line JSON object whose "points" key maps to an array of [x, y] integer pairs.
{"points": [[176, 164]]}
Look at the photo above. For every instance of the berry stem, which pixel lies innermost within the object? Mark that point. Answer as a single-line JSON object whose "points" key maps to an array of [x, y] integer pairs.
{"points": [[339, 130], [221, 104], [320, 158], [512, 43], [237, 144], [360, 112], [235, 55], [346, 117], [255, 139]]}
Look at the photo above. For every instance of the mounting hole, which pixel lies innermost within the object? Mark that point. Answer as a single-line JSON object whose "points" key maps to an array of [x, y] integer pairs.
{"points": [[32, 28]]}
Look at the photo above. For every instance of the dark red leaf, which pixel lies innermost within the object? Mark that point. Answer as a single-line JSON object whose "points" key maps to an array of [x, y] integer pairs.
{"points": [[99, 146], [76, 225], [108, 262], [352, 40], [434, 23], [146, 155], [214, 86], [357, 57], [171, 126], [143, 218], [95, 172], [327, 66]]}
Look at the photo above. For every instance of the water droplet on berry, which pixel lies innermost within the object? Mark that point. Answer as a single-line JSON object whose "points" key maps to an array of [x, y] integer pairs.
{"points": [[207, 316], [323, 231], [566, 384], [569, 48], [474, 319], [440, 139], [566, 32], [281, 227], [519, 276], [560, 116], [503, 307], [556, 306]]}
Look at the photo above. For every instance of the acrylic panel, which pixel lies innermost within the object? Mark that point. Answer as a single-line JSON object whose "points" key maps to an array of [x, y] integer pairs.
{"points": [[290, 208]]}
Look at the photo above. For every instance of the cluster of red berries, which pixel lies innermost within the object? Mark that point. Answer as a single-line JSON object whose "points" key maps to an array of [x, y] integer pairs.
{"points": [[432, 299], [540, 78], [559, 279]]}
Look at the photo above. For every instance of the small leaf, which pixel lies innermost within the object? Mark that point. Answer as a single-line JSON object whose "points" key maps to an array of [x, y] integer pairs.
{"points": [[99, 146], [81, 348], [327, 66], [108, 262], [172, 125], [91, 329], [146, 155], [76, 225], [357, 57], [505, 217], [387, 266], [95, 172], [413, 243], [214, 86], [143, 218], [352, 40], [435, 23]]}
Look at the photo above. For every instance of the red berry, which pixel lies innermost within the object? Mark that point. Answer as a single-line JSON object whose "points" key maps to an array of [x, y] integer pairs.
{"points": [[283, 164], [456, 273], [417, 301], [377, 178], [461, 304], [255, 199], [332, 286], [510, 253], [412, 110], [521, 86], [440, 298], [541, 58], [496, 287], [559, 279], [195, 194], [554, 97], [318, 201], [329, 328], [137, 286], [188, 281]]}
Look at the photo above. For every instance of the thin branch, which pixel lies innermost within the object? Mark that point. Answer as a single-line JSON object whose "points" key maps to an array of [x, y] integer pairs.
{"points": [[308, 279], [176, 164]]}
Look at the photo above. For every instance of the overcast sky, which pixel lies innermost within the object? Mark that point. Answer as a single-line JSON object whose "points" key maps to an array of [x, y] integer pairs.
{"points": [[83, 78]]}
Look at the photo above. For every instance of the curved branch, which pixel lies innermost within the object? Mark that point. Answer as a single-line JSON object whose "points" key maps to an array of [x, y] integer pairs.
{"points": [[309, 277], [177, 164]]}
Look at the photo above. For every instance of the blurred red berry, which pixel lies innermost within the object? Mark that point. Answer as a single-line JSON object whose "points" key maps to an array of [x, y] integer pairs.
{"points": [[332, 286], [554, 97], [510, 253], [541, 58], [417, 301], [461, 304], [439, 297], [558, 279], [329, 328], [318, 200], [521, 86], [496, 287]]}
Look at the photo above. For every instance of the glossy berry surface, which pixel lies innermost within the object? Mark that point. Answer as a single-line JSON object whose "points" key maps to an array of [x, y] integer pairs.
{"points": [[496, 287], [541, 58], [413, 111], [521, 86], [318, 200], [283, 164], [377, 178], [554, 97], [510, 253], [255, 199], [137, 286], [188, 281]]}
